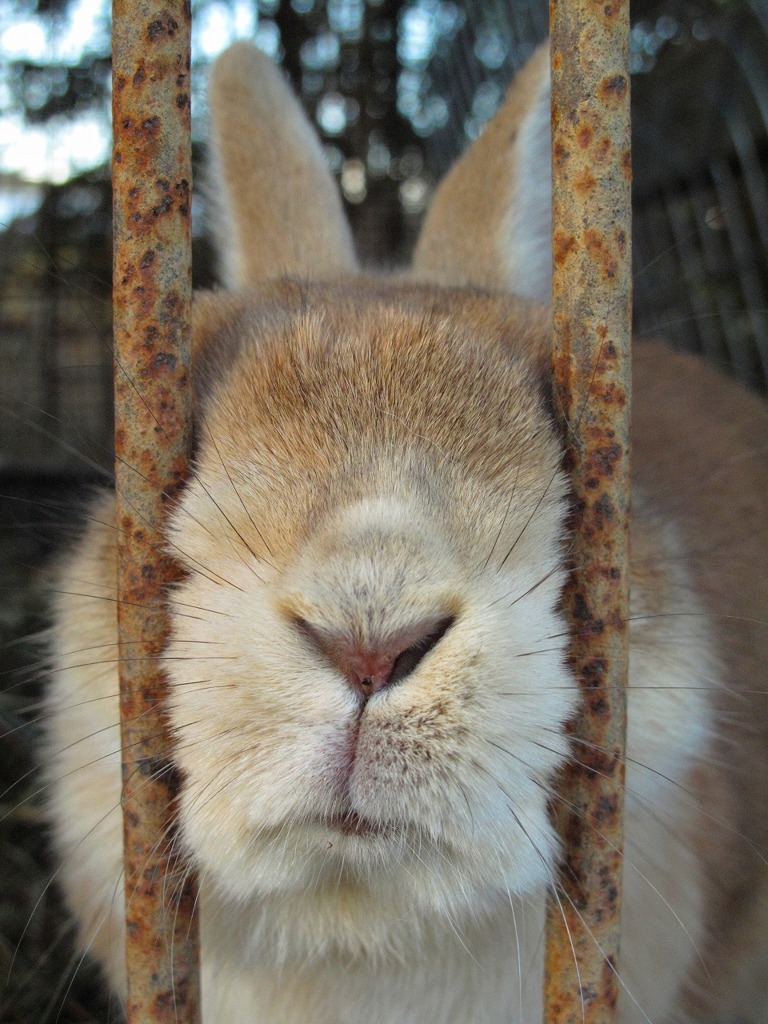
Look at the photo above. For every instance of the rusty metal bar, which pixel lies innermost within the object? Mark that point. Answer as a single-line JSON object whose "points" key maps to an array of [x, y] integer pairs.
{"points": [[152, 336], [591, 314]]}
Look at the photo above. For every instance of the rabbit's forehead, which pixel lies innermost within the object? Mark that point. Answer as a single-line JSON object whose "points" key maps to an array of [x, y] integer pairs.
{"points": [[329, 403], [381, 370]]}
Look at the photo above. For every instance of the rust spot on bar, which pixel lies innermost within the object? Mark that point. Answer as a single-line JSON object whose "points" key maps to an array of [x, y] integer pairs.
{"points": [[591, 307], [152, 299], [559, 154], [599, 251], [585, 182], [584, 136], [165, 25], [613, 88], [564, 245]]}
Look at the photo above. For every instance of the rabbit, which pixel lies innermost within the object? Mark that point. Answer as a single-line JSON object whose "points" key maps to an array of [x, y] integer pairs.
{"points": [[369, 689]]}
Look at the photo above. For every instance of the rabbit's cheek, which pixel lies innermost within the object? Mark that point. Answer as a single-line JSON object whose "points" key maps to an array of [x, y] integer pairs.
{"points": [[401, 748]]}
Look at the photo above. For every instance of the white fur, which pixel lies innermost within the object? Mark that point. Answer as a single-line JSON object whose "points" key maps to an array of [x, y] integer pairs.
{"points": [[527, 231]]}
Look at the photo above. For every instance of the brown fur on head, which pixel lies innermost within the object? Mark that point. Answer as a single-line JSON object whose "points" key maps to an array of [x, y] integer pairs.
{"points": [[367, 670]]}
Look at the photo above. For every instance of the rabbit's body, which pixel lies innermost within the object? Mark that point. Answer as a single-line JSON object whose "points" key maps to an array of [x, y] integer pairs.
{"points": [[367, 675]]}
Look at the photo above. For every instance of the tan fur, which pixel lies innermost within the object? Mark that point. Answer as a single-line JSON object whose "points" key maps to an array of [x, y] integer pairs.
{"points": [[285, 198], [500, 236], [375, 455]]}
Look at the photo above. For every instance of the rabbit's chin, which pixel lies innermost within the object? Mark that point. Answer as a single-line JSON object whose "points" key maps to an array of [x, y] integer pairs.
{"points": [[364, 888], [380, 858]]}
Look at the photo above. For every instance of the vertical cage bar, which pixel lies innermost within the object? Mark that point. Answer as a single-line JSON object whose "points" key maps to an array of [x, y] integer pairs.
{"points": [[152, 336], [591, 315]]}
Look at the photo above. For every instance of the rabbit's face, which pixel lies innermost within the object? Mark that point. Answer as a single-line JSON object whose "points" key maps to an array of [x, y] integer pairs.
{"points": [[367, 670]]}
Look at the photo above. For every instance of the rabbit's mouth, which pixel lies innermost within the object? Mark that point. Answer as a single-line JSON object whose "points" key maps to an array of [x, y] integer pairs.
{"points": [[350, 823]]}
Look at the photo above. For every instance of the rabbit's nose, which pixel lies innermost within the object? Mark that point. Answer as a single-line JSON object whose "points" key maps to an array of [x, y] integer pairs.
{"points": [[372, 666], [367, 671], [386, 663]]}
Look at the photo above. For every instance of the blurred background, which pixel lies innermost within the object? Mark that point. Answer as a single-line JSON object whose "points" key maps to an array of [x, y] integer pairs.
{"points": [[397, 88]]}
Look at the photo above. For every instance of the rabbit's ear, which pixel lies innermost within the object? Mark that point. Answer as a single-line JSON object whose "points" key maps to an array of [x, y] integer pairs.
{"points": [[490, 221], [277, 210]]}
